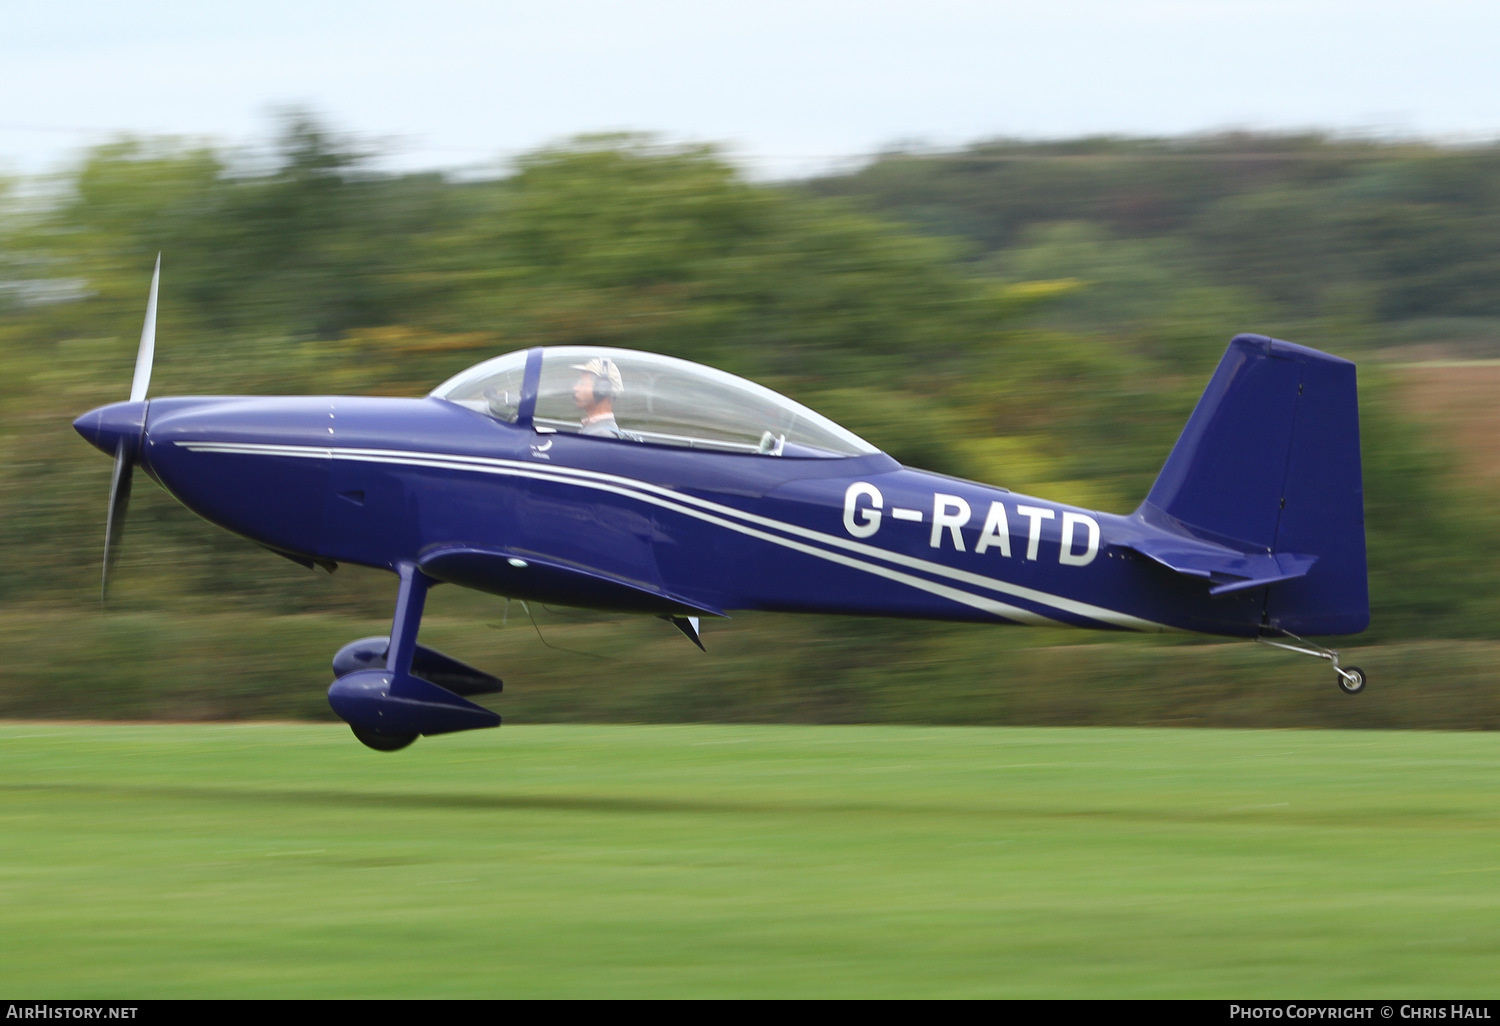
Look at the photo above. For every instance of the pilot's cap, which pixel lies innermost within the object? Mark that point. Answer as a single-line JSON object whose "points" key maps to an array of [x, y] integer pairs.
{"points": [[603, 368]]}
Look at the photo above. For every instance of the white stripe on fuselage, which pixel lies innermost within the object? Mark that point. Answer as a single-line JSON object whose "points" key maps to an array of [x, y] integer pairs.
{"points": [[679, 502]]}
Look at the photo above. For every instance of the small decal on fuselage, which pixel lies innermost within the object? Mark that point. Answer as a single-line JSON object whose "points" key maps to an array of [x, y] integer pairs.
{"points": [[865, 510]]}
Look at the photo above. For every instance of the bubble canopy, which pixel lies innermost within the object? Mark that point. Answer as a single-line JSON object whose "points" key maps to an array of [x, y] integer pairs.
{"points": [[652, 399]]}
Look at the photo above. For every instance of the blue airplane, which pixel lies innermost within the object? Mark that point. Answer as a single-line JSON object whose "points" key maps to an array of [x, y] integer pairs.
{"points": [[619, 480]]}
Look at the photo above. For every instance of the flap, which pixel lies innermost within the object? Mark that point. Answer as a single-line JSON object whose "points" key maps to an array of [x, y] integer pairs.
{"points": [[522, 574]]}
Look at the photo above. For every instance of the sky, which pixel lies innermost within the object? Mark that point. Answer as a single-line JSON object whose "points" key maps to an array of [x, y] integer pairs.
{"points": [[786, 87]]}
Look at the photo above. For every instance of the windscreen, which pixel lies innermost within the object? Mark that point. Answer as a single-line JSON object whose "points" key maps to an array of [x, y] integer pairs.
{"points": [[492, 387]]}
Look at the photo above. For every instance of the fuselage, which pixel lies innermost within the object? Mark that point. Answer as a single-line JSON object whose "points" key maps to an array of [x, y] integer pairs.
{"points": [[380, 482]]}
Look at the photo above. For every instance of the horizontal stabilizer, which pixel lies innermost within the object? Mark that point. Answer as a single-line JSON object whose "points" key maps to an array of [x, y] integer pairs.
{"points": [[526, 575], [1228, 569]]}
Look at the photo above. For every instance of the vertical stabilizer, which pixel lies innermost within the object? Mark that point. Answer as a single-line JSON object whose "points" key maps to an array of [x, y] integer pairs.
{"points": [[1269, 464]]}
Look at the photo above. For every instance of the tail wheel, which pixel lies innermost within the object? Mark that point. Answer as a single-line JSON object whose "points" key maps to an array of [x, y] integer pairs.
{"points": [[381, 741], [1351, 680]]}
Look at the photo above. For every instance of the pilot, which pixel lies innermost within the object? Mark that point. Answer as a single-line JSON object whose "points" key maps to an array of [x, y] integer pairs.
{"points": [[594, 393]]}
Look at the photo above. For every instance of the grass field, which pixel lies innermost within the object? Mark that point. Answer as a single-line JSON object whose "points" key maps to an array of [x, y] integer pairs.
{"points": [[277, 860]]}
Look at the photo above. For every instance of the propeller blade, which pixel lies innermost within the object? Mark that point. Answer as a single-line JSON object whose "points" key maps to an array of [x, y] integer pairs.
{"points": [[147, 353], [119, 484], [119, 499]]}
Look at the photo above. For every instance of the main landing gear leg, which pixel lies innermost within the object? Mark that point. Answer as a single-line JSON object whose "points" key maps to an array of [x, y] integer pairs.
{"points": [[1351, 679], [411, 599]]}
